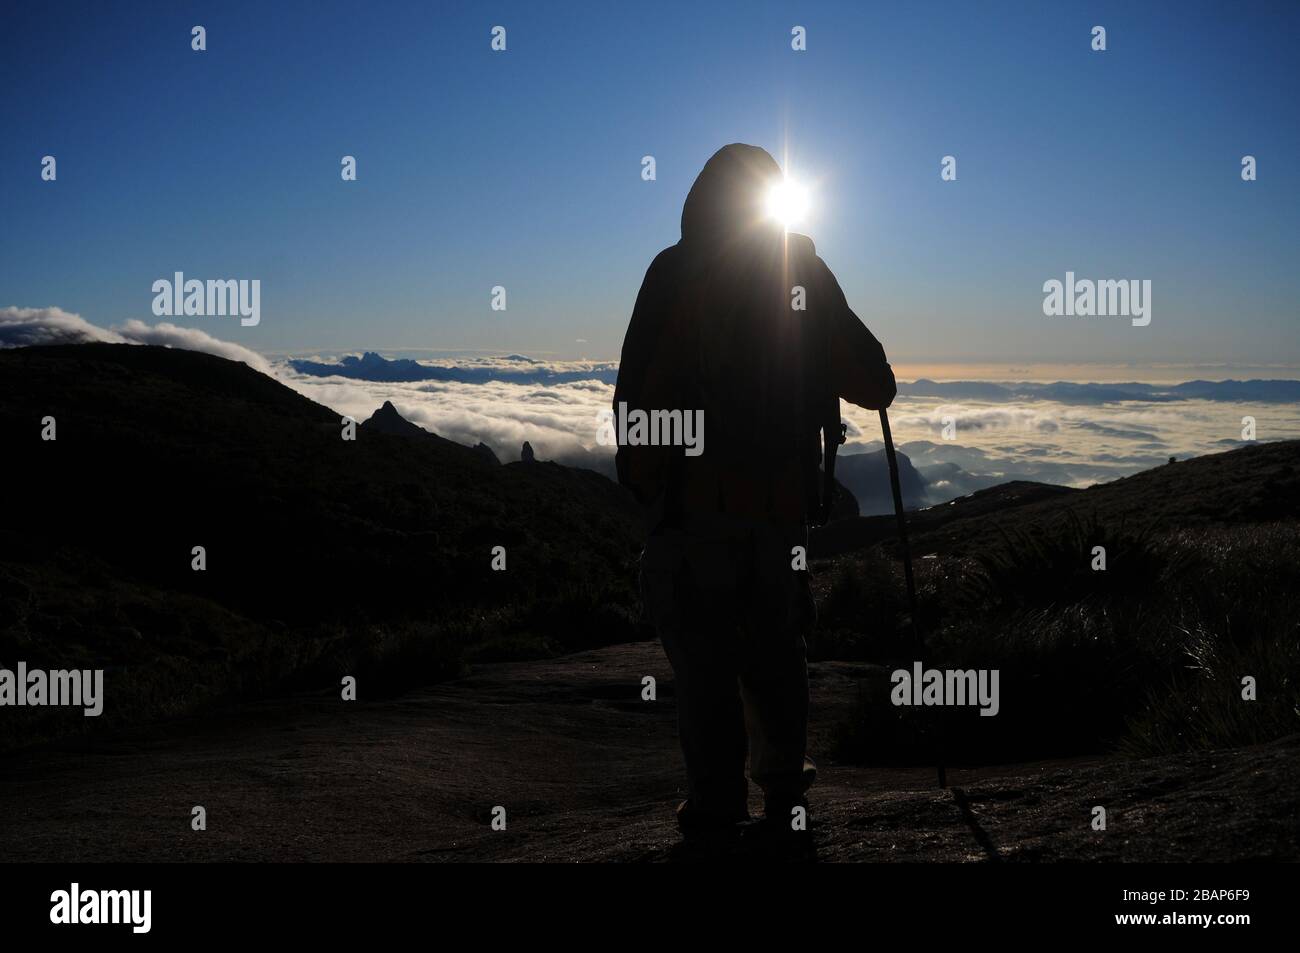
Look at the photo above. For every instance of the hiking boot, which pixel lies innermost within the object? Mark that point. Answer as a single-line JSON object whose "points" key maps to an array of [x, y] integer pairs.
{"points": [[696, 824], [779, 812], [775, 837]]}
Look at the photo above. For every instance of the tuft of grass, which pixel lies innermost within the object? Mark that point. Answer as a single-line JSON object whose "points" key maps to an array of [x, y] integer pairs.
{"points": [[1051, 565], [1144, 658], [863, 612], [1238, 619]]}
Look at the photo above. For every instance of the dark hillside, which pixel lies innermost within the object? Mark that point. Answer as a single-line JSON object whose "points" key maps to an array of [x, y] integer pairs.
{"points": [[320, 552]]}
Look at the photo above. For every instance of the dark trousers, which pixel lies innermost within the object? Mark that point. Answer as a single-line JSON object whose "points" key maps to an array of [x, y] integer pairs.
{"points": [[733, 613]]}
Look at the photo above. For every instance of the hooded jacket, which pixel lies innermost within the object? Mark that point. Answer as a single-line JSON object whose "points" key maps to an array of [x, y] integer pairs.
{"points": [[713, 327]]}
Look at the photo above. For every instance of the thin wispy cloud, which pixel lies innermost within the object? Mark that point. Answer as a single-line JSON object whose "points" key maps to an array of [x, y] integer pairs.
{"points": [[24, 327]]}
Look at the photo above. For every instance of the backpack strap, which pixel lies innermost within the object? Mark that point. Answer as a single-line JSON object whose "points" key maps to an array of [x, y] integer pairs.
{"points": [[834, 433]]}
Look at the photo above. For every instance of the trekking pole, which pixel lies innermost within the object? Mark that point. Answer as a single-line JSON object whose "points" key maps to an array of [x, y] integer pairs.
{"points": [[917, 644]]}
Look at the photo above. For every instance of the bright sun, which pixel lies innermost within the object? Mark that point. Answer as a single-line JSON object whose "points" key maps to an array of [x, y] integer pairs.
{"points": [[787, 203]]}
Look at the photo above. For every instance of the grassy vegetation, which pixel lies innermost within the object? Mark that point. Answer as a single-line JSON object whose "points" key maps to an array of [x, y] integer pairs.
{"points": [[1145, 657], [167, 654]]}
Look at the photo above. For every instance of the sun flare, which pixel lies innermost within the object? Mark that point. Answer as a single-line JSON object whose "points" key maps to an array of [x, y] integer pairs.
{"points": [[787, 203]]}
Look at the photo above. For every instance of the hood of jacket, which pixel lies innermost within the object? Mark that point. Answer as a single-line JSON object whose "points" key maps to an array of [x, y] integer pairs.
{"points": [[725, 205]]}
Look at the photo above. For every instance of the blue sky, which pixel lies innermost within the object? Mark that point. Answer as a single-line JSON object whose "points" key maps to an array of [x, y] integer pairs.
{"points": [[522, 168]]}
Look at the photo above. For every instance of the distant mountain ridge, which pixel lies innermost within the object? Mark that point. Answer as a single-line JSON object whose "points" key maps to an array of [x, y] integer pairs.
{"points": [[517, 368], [866, 476], [520, 370], [1069, 392]]}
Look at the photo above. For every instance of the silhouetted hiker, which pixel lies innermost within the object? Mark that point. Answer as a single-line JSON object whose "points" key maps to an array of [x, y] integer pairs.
{"points": [[717, 328]]}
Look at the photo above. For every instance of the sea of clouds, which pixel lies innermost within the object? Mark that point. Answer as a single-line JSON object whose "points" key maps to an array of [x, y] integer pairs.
{"points": [[1066, 433]]}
